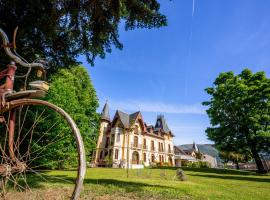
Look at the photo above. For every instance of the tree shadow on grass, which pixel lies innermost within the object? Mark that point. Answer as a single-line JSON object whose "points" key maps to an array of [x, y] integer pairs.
{"points": [[241, 178], [220, 171], [128, 186], [212, 170], [39, 181]]}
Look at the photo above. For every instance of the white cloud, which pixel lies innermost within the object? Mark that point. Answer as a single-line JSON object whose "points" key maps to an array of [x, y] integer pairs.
{"points": [[157, 107], [185, 128]]}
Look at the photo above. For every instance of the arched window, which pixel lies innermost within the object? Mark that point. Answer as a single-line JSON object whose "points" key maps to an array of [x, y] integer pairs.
{"points": [[169, 148], [135, 157]]}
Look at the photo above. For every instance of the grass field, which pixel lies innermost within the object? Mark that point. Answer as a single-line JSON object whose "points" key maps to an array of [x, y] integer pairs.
{"points": [[105, 183]]}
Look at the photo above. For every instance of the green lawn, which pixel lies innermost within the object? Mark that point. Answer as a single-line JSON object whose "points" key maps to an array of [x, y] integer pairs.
{"points": [[102, 183], [160, 184]]}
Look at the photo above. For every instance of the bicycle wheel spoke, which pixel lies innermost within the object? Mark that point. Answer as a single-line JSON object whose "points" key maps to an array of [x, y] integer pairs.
{"points": [[20, 125], [33, 126], [6, 133], [28, 149], [31, 170], [44, 140], [15, 178], [4, 156], [44, 134], [25, 180], [35, 143], [51, 177], [14, 182], [46, 164], [43, 149]]}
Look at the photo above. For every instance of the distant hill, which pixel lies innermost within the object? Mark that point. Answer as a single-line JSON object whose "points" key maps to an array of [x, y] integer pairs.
{"points": [[204, 148]]}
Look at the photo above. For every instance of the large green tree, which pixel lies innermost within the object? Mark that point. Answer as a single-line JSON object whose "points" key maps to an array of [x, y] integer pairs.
{"points": [[239, 110], [61, 30], [72, 90]]}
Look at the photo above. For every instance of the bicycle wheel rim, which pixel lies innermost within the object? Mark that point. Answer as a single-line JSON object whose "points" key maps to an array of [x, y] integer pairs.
{"points": [[26, 103]]}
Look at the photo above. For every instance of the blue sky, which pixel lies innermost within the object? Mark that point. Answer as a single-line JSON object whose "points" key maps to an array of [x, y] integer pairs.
{"points": [[165, 71]]}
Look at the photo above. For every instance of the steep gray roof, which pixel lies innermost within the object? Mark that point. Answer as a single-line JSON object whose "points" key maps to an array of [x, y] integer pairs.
{"points": [[203, 148], [132, 117], [105, 115], [178, 150], [126, 119], [162, 124]]}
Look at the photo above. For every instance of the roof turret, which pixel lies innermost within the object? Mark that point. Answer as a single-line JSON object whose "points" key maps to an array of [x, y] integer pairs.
{"points": [[162, 124], [105, 115], [194, 147]]}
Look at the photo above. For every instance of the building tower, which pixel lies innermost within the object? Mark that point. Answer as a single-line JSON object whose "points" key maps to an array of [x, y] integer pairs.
{"points": [[104, 127], [195, 148]]}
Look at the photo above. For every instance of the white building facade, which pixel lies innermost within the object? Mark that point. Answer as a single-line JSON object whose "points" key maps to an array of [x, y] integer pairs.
{"points": [[127, 142]]}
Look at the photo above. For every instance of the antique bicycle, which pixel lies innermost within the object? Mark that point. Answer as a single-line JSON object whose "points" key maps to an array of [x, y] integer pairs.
{"points": [[40, 145]]}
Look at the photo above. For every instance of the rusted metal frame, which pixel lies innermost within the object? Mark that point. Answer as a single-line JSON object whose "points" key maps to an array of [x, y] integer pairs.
{"points": [[10, 76], [11, 69], [11, 127], [9, 73], [3, 73]]}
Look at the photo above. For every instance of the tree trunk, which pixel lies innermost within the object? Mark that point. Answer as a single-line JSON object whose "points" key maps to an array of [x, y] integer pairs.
{"points": [[259, 163]]}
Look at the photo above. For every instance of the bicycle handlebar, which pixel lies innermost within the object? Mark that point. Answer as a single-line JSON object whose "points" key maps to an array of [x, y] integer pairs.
{"points": [[13, 56]]}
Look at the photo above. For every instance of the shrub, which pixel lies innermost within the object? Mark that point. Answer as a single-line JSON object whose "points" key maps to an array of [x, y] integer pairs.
{"points": [[199, 164]]}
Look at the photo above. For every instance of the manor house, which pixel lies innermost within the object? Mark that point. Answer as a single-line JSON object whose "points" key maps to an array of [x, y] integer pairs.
{"points": [[127, 141]]}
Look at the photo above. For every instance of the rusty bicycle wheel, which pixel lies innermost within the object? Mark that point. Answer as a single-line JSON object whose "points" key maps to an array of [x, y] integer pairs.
{"points": [[45, 158]]}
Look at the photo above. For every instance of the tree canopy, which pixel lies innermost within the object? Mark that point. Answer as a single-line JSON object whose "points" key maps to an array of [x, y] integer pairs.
{"points": [[72, 90], [61, 30], [239, 110]]}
